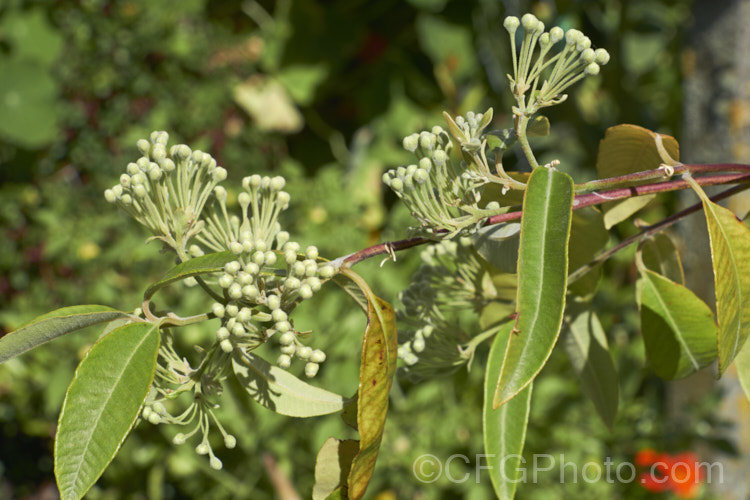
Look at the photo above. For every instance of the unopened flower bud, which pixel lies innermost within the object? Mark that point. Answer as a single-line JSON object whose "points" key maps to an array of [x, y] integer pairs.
{"points": [[511, 24], [283, 326], [179, 438], [317, 356], [273, 302], [215, 463], [529, 22], [311, 369], [230, 441], [326, 272], [226, 280], [601, 57], [226, 345], [411, 142], [235, 291], [222, 334], [218, 310], [556, 34], [143, 146], [284, 361], [592, 69]]}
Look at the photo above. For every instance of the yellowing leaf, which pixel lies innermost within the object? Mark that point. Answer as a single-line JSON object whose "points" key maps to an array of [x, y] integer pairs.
{"points": [[627, 149]]}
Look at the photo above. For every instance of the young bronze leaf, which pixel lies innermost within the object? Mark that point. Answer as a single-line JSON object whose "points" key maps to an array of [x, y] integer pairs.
{"points": [[206, 264], [627, 149], [542, 280], [730, 254], [678, 328], [280, 391], [101, 405], [588, 351], [504, 428], [52, 325], [379, 352]]}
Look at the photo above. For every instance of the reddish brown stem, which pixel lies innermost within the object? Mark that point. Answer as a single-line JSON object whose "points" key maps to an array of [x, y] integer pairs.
{"points": [[585, 200]]}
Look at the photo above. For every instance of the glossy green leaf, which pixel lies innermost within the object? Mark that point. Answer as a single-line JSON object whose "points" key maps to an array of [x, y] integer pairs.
{"points": [[206, 264], [730, 254], [505, 427], [379, 353], [660, 255], [627, 149], [678, 328], [501, 140], [588, 351], [587, 238], [332, 466], [542, 279], [52, 325], [280, 391], [102, 404]]}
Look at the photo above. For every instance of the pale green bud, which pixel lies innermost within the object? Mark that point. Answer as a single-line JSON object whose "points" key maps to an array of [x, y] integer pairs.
{"points": [[277, 183], [143, 146], [291, 283], [529, 22], [202, 449], [283, 326], [232, 267], [411, 142], [270, 258], [244, 200], [583, 44], [311, 369], [226, 280], [284, 361], [218, 310], [326, 272], [259, 258], [511, 24], [168, 165], [126, 199], [397, 185], [236, 247], [305, 291], [573, 36], [556, 34], [232, 310], [283, 199], [311, 252], [109, 195], [222, 334], [230, 441], [154, 418], [592, 69], [421, 176], [493, 205], [587, 56], [317, 356], [132, 168], [278, 315], [602, 57], [314, 283], [235, 291], [250, 292], [226, 345], [195, 251], [179, 439], [427, 141], [273, 302], [289, 350], [215, 463], [287, 338], [238, 330], [244, 315], [281, 238], [219, 174]]}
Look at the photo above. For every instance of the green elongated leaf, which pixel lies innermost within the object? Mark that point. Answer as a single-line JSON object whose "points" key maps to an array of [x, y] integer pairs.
{"points": [[660, 255], [542, 279], [282, 392], [501, 139], [505, 427], [588, 351], [678, 328], [627, 149], [378, 366], [332, 466], [730, 255], [52, 325], [587, 238], [101, 405], [206, 264]]}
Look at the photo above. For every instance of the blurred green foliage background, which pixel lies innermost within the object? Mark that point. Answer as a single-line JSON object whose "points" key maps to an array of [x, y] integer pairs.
{"points": [[321, 92]]}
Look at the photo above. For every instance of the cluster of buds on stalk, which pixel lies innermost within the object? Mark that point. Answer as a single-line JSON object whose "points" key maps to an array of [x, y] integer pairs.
{"points": [[533, 61], [443, 191], [438, 331], [166, 190]]}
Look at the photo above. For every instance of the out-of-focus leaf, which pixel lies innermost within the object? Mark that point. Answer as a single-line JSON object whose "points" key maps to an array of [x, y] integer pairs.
{"points": [[379, 353], [206, 264], [28, 103], [301, 81], [448, 45], [627, 149], [742, 364], [268, 103], [332, 466], [501, 139], [542, 279], [31, 36], [660, 255], [101, 405], [498, 244], [587, 238], [588, 351], [730, 254], [280, 391], [678, 328], [505, 427], [52, 325]]}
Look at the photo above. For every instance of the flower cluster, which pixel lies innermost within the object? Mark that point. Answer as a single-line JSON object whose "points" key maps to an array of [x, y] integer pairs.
{"points": [[575, 61], [176, 194], [440, 309], [166, 190], [443, 193]]}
